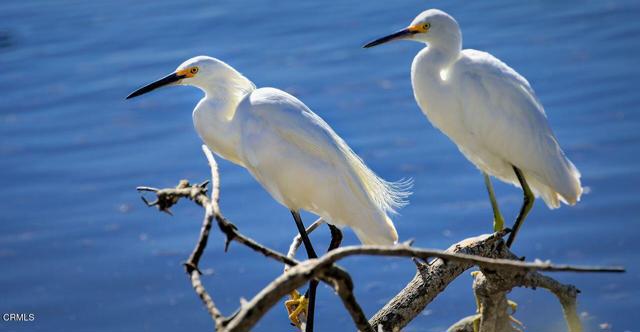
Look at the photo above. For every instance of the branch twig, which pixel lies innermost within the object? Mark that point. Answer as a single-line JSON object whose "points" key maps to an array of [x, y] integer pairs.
{"points": [[192, 263]]}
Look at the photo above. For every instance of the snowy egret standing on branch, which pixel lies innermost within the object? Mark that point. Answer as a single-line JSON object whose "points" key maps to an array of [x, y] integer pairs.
{"points": [[290, 151], [490, 112]]}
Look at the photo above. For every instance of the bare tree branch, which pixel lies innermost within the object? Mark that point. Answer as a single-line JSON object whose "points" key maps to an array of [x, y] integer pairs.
{"points": [[484, 262], [344, 288], [192, 263], [487, 251], [430, 280], [491, 297], [566, 294]]}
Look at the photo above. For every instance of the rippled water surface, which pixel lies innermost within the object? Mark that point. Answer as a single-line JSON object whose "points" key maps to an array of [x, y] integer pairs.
{"points": [[80, 251]]}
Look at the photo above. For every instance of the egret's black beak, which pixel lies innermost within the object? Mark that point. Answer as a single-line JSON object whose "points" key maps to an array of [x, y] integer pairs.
{"points": [[171, 78], [397, 35]]}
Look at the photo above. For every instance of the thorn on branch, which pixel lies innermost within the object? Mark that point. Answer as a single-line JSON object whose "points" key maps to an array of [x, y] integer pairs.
{"points": [[229, 230], [420, 265], [163, 202], [204, 184], [408, 242], [145, 188], [167, 198]]}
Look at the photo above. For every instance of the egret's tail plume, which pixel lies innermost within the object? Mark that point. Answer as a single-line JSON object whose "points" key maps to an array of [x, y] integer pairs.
{"points": [[395, 194], [385, 197], [388, 196]]}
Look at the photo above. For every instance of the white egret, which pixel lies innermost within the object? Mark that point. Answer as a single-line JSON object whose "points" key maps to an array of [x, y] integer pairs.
{"points": [[490, 112], [291, 152]]}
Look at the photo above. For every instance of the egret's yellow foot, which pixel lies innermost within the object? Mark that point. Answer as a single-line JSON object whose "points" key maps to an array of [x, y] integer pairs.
{"points": [[513, 305], [296, 306], [518, 324]]}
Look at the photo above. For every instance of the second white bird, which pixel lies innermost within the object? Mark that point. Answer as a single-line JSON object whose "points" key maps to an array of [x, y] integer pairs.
{"points": [[489, 111]]}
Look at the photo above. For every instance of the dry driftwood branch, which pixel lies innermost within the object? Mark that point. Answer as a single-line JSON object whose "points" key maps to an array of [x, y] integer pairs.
{"points": [[166, 198], [488, 252], [493, 306], [431, 279], [492, 287], [322, 268], [296, 277], [344, 288], [566, 294]]}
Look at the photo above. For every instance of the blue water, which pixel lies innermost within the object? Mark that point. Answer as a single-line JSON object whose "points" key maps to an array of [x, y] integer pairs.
{"points": [[80, 251]]}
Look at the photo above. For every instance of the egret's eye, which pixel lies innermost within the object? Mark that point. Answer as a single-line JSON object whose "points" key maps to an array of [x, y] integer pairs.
{"points": [[426, 26], [193, 70]]}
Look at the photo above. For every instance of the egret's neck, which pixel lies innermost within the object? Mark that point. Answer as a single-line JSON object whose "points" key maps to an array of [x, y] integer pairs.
{"points": [[435, 60], [229, 86], [442, 51], [430, 78], [448, 45], [430, 68], [214, 117]]}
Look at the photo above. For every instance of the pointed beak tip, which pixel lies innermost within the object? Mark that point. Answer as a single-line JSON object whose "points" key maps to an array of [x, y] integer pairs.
{"points": [[132, 95], [404, 33], [372, 44], [169, 79]]}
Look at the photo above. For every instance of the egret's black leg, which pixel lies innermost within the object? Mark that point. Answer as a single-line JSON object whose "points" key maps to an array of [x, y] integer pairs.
{"points": [[303, 233], [527, 204], [311, 295], [336, 239], [313, 284]]}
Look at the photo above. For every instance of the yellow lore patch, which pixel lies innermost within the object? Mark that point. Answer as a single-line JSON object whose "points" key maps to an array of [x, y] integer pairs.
{"points": [[188, 72], [419, 28]]}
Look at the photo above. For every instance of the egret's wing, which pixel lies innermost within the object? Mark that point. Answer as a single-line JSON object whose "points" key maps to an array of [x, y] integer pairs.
{"points": [[278, 112], [503, 114]]}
